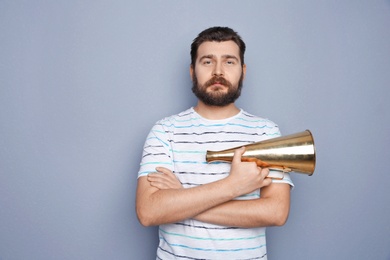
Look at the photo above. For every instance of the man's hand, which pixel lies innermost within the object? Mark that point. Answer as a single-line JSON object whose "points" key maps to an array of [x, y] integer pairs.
{"points": [[164, 179], [247, 175]]}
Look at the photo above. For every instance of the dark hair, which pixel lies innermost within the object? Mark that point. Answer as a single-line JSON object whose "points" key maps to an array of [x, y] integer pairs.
{"points": [[217, 34]]}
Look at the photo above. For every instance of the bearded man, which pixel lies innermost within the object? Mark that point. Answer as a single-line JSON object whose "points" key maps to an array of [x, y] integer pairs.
{"points": [[214, 210]]}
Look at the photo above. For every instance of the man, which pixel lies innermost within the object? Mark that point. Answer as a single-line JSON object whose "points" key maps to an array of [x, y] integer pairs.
{"points": [[210, 210]]}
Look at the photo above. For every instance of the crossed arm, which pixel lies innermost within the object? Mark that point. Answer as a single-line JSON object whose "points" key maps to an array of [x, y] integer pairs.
{"points": [[161, 198]]}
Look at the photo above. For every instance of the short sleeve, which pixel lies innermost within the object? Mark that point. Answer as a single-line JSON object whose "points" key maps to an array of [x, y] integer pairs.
{"points": [[156, 151]]}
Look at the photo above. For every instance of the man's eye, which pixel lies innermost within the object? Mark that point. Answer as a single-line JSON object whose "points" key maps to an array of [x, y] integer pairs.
{"points": [[230, 62], [207, 62]]}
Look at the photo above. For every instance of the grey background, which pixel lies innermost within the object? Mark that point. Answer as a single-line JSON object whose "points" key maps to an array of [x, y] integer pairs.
{"points": [[82, 82]]}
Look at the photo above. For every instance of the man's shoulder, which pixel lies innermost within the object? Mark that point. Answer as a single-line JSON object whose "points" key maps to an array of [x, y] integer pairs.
{"points": [[179, 117], [260, 128], [256, 119]]}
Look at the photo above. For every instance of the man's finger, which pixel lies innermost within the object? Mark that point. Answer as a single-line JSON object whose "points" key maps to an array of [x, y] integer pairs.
{"points": [[164, 170], [238, 154]]}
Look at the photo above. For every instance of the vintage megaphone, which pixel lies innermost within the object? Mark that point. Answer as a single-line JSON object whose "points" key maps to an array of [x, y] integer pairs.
{"points": [[288, 153]]}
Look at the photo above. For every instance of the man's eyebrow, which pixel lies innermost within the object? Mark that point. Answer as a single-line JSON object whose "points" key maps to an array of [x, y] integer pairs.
{"points": [[208, 56], [226, 56]]}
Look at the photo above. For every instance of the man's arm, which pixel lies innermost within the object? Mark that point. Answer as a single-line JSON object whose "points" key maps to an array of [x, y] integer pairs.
{"points": [[157, 206], [271, 209]]}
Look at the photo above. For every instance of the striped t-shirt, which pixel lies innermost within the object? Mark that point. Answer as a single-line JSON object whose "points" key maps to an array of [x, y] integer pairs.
{"points": [[179, 143]]}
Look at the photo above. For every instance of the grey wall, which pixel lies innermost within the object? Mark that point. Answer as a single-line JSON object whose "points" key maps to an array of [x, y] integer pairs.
{"points": [[82, 82]]}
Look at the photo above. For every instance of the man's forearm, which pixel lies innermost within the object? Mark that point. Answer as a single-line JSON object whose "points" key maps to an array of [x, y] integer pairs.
{"points": [[262, 212], [172, 205]]}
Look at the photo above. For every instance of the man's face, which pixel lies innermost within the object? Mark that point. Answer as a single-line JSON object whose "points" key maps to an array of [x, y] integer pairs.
{"points": [[218, 73]]}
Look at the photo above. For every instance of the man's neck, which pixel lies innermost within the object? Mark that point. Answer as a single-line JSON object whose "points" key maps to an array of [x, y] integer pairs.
{"points": [[215, 112]]}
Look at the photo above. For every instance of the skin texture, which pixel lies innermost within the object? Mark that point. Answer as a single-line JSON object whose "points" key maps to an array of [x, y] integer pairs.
{"points": [[161, 198]]}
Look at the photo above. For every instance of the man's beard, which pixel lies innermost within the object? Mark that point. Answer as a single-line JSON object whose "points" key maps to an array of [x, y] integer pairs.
{"points": [[216, 98]]}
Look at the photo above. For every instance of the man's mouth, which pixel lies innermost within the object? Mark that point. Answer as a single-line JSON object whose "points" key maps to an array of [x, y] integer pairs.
{"points": [[217, 84]]}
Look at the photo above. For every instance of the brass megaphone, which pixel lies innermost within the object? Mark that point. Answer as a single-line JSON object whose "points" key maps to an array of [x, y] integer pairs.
{"points": [[288, 153]]}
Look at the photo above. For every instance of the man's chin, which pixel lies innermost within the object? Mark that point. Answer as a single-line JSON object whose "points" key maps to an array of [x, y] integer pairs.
{"points": [[217, 94]]}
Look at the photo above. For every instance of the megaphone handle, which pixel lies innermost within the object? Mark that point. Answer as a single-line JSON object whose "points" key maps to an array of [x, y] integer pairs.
{"points": [[279, 168]]}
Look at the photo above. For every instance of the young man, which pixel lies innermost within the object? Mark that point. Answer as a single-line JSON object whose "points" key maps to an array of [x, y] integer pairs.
{"points": [[210, 210]]}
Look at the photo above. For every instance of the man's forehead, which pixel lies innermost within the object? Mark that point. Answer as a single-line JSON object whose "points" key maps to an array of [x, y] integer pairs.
{"points": [[218, 49]]}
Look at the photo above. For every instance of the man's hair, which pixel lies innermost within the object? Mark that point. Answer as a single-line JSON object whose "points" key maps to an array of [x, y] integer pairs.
{"points": [[217, 34]]}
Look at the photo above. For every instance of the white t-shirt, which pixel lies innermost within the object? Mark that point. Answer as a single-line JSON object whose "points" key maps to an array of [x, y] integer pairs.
{"points": [[179, 143]]}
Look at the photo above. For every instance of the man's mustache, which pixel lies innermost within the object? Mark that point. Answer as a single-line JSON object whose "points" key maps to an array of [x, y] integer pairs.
{"points": [[218, 80]]}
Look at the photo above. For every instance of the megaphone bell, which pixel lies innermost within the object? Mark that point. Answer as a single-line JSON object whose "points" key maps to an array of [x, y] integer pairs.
{"points": [[288, 153]]}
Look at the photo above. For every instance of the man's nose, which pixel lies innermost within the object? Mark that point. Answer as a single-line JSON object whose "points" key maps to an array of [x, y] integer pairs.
{"points": [[218, 69]]}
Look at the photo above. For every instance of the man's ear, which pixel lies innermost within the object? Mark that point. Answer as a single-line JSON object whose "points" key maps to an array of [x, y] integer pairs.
{"points": [[191, 71], [243, 71]]}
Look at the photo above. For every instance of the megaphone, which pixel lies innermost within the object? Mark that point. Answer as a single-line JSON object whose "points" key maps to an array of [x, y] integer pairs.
{"points": [[295, 152]]}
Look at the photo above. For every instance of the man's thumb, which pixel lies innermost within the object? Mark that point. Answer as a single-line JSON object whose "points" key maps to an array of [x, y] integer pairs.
{"points": [[237, 154]]}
